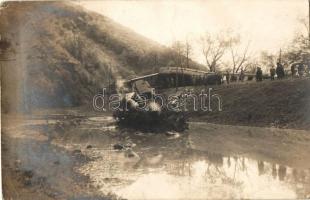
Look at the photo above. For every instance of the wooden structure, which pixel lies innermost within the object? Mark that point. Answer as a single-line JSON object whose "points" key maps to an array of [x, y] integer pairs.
{"points": [[178, 77]]}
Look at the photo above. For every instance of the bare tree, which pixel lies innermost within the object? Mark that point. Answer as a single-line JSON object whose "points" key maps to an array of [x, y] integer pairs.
{"points": [[309, 22], [188, 51], [302, 38], [251, 65], [154, 60], [179, 52], [239, 57], [214, 48], [267, 59], [305, 24]]}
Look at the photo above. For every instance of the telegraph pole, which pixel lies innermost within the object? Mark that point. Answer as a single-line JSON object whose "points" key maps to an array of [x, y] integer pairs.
{"points": [[309, 22]]}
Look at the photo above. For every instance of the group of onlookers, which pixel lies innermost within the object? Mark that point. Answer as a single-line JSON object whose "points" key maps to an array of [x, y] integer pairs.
{"points": [[301, 69], [279, 71], [297, 70]]}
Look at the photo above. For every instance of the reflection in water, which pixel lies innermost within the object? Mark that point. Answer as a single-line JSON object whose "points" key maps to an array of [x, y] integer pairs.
{"points": [[274, 171], [260, 165], [196, 177], [282, 172], [172, 169]]}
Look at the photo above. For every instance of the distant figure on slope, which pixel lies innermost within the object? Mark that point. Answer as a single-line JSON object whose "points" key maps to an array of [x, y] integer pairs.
{"points": [[301, 70], [280, 71], [293, 70], [259, 74], [308, 68], [227, 77], [241, 78], [272, 72]]}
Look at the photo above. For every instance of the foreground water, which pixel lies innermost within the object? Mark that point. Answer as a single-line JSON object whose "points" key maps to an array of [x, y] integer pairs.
{"points": [[173, 168], [206, 162]]}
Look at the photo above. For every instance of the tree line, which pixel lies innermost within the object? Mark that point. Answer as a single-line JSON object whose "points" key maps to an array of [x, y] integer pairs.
{"points": [[228, 51]]}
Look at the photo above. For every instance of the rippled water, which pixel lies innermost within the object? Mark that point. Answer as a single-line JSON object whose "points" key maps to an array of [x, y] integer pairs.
{"points": [[177, 165], [240, 178], [169, 170]]}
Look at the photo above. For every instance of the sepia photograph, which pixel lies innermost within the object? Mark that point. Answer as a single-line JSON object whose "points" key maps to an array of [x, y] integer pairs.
{"points": [[155, 99]]}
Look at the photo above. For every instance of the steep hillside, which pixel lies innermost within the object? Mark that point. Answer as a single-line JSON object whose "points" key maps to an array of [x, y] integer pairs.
{"points": [[61, 55]]}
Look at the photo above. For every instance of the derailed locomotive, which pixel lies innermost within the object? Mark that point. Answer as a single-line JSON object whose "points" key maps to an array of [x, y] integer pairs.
{"points": [[140, 111]]}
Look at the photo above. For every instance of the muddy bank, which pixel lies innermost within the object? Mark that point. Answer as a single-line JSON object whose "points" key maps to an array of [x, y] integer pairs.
{"points": [[34, 166]]}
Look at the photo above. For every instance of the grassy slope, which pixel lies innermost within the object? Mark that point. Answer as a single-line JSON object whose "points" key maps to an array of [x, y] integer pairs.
{"points": [[64, 54], [284, 104]]}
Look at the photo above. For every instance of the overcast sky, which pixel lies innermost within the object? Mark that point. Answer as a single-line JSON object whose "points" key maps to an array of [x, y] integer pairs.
{"points": [[269, 24]]}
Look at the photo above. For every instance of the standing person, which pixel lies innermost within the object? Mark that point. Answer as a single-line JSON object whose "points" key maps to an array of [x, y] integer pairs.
{"points": [[227, 76], [308, 68], [272, 73], [280, 71], [259, 74], [293, 70], [241, 75], [301, 69]]}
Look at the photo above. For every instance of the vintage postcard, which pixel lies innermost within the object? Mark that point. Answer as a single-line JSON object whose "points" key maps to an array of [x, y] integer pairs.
{"points": [[155, 99]]}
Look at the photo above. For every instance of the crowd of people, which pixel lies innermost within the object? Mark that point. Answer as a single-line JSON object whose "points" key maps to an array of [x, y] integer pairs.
{"points": [[279, 71], [297, 70]]}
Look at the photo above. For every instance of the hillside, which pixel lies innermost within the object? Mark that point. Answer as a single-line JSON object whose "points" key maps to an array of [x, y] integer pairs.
{"points": [[61, 55], [284, 104]]}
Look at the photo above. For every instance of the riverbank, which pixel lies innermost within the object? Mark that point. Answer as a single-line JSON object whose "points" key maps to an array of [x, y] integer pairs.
{"points": [[36, 166]]}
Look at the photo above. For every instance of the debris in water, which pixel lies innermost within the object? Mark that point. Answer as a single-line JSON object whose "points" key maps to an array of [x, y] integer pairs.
{"points": [[155, 159], [118, 146], [172, 134], [76, 151], [131, 154], [56, 162], [130, 145]]}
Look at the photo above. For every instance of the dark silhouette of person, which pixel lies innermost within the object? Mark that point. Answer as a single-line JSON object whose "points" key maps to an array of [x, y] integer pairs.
{"points": [[274, 171], [260, 165], [227, 77], [272, 73], [293, 70], [241, 78], [301, 70], [259, 74], [282, 172], [308, 68], [280, 71]]}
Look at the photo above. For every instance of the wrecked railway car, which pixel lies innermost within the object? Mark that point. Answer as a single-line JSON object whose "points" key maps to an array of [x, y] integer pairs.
{"points": [[177, 77]]}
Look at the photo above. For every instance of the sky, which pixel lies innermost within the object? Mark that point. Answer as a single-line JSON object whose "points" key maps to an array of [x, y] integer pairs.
{"points": [[268, 24]]}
